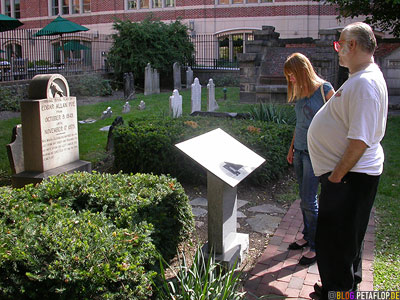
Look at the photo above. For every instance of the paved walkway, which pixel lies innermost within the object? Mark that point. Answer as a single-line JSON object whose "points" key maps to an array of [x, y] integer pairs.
{"points": [[277, 271]]}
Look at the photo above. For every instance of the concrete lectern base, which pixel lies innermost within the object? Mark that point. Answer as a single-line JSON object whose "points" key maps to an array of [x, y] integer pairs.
{"points": [[21, 179], [235, 253]]}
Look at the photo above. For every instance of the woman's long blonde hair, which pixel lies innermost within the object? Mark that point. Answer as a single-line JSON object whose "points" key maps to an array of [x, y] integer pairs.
{"points": [[307, 81]]}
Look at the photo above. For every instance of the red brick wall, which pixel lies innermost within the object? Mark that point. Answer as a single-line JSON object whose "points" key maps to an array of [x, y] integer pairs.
{"points": [[35, 8]]}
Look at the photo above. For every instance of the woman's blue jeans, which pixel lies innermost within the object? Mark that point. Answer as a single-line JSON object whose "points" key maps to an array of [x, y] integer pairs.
{"points": [[308, 186]]}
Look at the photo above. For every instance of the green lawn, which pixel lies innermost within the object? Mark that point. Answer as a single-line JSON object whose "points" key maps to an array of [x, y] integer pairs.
{"points": [[387, 251]]}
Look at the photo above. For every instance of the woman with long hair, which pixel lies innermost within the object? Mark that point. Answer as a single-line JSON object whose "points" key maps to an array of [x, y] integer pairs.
{"points": [[310, 92]]}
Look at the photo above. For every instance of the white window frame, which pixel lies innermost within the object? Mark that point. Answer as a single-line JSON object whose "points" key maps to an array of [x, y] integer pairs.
{"points": [[60, 8], [126, 7], [12, 7]]}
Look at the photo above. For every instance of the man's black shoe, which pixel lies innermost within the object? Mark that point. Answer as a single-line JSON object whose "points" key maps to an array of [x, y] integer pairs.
{"points": [[305, 261]]}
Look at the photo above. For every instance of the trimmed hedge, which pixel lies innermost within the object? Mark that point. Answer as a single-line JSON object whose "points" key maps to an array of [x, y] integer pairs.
{"points": [[89, 236], [148, 146]]}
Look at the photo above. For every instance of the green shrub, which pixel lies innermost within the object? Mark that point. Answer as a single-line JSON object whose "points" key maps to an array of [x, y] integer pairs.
{"points": [[89, 85], [271, 112], [8, 101], [148, 145], [82, 236]]}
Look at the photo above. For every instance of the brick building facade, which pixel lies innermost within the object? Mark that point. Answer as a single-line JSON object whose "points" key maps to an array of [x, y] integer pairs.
{"points": [[291, 18]]}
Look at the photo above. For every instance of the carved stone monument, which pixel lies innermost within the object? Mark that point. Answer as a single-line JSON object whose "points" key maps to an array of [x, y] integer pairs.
{"points": [[227, 162], [212, 104], [151, 81], [177, 76], [175, 104], [126, 108], [196, 95], [49, 132]]}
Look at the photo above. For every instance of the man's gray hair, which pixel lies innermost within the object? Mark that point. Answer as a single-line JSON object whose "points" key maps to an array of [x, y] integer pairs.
{"points": [[363, 34]]}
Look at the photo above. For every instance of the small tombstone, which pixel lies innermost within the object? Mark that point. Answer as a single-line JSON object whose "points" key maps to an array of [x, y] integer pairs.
{"points": [[156, 82], [142, 105], [212, 104], [49, 132], [189, 77], [177, 76], [196, 95], [110, 138], [175, 104], [107, 113], [129, 86], [15, 152], [148, 80], [126, 108]]}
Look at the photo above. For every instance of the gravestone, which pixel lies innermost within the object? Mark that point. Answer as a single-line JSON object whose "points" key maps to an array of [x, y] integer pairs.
{"points": [[156, 82], [189, 77], [107, 113], [129, 86], [142, 105], [148, 80], [126, 108], [175, 104], [227, 162], [177, 76], [196, 95], [15, 151], [49, 132], [118, 121], [212, 104]]}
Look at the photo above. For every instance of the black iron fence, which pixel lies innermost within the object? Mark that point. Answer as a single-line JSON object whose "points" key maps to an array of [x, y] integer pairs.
{"points": [[23, 55], [218, 52]]}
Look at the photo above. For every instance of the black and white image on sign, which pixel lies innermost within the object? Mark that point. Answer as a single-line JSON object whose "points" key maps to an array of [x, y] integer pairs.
{"points": [[233, 168]]}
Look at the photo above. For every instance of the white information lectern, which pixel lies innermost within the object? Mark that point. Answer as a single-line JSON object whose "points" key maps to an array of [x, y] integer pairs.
{"points": [[227, 162]]}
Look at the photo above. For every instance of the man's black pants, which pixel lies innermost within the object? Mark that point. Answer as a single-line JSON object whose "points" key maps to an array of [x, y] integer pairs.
{"points": [[344, 210]]}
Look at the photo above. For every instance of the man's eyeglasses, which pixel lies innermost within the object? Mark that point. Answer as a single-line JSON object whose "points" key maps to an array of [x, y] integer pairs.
{"points": [[337, 46]]}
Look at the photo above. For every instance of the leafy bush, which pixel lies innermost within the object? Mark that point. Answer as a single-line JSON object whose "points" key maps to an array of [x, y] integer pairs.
{"points": [[88, 235], [148, 145], [89, 85], [8, 101], [204, 279], [154, 42], [227, 80], [271, 112]]}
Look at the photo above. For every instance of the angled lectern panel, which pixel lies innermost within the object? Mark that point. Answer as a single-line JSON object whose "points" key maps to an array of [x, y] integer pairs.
{"points": [[222, 155]]}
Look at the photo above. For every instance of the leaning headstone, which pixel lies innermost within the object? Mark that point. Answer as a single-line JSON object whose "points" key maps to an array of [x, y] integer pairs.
{"points": [[15, 151], [148, 80], [129, 86], [189, 77], [49, 131], [126, 108], [196, 95], [106, 114], [156, 82], [142, 105], [177, 76], [211, 102], [110, 138], [175, 104]]}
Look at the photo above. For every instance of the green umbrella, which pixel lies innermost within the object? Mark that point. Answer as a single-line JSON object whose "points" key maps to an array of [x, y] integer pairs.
{"points": [[74, 46], [59, 26], [8, 23]]}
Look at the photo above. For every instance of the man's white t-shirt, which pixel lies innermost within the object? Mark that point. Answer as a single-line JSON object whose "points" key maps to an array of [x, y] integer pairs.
{"points": [[358, 110]]}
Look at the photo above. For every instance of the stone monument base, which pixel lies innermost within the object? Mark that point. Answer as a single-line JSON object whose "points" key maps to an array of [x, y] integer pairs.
{"points": [[21, 179], [236, 252]]}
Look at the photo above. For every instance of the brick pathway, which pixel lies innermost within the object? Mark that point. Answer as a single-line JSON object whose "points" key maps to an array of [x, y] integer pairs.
{"points": [[277, 271]]}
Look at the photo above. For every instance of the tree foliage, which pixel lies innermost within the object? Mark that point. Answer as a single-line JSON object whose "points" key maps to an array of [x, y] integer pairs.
{"points": [[382, 14], [150, 41]]}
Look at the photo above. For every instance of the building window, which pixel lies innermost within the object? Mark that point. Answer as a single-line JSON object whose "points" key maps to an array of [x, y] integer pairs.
{"points": [[13, 51], [66, 7], [224, 2], [229, 45], [138, 4], [11, 8]]}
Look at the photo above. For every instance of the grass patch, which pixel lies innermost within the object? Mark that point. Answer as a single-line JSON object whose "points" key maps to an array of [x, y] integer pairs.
{"points": [[387, 251]]}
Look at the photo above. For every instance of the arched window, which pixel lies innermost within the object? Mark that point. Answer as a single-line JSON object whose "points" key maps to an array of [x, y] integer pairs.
{"points": [[232, 43], [13, 51]]}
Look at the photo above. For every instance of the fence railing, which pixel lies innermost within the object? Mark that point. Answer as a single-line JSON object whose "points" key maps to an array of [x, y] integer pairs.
{"points": [[214, 53], [23, 55]]}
